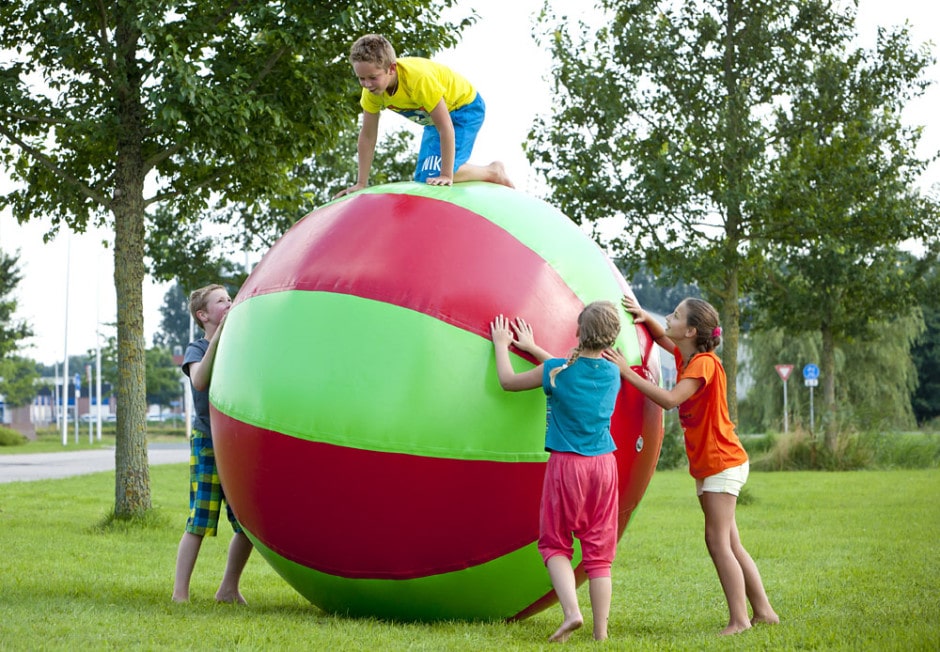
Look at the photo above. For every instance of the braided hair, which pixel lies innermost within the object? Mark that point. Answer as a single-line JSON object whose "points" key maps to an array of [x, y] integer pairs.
{"points": [[598, 329]]}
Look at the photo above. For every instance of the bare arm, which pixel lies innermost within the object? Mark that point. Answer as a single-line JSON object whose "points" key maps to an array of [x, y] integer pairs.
{"points": [[508, 378], [664, 398], [440, 116], [200, 373], [640, 316], [368, 136]]}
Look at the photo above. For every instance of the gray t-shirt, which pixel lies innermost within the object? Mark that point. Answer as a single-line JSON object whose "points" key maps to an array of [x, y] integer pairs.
{"points": [[195, 352]]}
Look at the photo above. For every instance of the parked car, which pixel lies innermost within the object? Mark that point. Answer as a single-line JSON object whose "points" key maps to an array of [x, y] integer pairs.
{"points": [[93, 418]]}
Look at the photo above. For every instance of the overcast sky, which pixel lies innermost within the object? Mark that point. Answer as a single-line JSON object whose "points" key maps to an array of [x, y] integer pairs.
{"points": [[497, 55]]}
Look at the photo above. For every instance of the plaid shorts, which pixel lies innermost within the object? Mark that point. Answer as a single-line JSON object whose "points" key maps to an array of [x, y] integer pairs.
{"points": [[205, 489]]}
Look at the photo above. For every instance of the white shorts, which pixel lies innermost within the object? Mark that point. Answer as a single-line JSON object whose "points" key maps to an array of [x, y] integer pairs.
{"points": [[728, 481]]}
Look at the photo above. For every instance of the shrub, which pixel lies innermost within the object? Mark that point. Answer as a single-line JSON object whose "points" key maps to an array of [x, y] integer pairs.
{"points": [[757, 444], [672, 454], [9, 437], [904, 450], [801, 452]]}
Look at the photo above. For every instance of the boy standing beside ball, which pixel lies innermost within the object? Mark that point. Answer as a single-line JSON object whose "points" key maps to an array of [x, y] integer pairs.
{"points": [[209, 306]]}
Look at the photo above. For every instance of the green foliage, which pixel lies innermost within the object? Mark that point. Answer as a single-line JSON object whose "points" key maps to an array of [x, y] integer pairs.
{"points": [[163, 377], [187, 106], [756, 445], [926, 353], [699, 125], [672, 454], [10, 437], [212, 99], [895, 450], [11, 331], [18, 376], [800, 451]]}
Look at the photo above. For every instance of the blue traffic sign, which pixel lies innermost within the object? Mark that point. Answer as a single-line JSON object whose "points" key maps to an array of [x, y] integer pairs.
{"points": [[810, 372]]}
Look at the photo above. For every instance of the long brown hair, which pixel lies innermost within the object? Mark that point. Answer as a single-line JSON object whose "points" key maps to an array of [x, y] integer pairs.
{"points": [[702, 316]]}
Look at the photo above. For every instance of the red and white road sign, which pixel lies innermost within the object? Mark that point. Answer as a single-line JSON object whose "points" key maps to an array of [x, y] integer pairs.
{"points": [[783, 370]]}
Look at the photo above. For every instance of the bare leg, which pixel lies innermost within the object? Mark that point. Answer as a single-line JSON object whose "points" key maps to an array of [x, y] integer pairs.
{"points": [[562, 576], [495, 172], [719, 524], [601, 591], [185, 563], [238, 552], [754, 586]]}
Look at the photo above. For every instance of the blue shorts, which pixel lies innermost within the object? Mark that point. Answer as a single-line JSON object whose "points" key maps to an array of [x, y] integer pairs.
{"points": [[205, 489], [467, 122]]}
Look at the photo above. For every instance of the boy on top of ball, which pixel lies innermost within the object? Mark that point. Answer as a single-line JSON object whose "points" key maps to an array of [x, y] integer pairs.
{"points": [[430, 94]]}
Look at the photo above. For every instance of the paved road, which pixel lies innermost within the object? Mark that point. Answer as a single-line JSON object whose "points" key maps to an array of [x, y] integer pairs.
{"points": [[45, 466]]}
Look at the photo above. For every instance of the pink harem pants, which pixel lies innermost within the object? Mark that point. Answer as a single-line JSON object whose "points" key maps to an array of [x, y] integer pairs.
{"points": [[580, 499]]}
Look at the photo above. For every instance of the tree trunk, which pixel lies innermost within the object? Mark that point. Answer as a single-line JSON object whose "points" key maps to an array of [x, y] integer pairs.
{"points": [[731, 334], [828, 372], [732, 199], [132, 470]]}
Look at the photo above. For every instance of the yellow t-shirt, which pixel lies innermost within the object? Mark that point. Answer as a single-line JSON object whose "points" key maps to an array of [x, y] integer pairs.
{"points": [[421, 85], [710, 440]]}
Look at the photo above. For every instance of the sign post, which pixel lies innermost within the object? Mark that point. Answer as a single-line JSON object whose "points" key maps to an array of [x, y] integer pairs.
{"points": [[78, 393], [783, 370], [811, 379]]}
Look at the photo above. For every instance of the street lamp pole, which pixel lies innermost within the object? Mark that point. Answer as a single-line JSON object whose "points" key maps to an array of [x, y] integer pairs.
{"points": [[65, 368]]}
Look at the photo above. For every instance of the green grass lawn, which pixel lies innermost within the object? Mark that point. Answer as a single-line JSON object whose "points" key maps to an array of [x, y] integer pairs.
{"points": [[850, 561]]}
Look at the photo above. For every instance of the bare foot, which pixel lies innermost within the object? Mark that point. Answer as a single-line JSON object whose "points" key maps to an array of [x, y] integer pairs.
{"points": [[498, 174], [562, 633], [767, 619], [734, 629], [230, 598]]}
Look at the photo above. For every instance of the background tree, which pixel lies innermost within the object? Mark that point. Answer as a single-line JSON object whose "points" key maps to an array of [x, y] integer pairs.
{"points": [[210, 104], [12, 332], [174, 320], [878, 372], [18, 377], [926, 352], [843, 203], [657, 297], [663, 121], [188, 255], [163, 378]]}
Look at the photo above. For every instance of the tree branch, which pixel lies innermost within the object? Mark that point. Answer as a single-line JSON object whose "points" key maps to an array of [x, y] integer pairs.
{"points": [[50, 165]]}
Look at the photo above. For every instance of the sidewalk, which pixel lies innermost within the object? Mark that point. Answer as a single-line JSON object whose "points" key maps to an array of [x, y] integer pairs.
{"points": [[46, 466]]}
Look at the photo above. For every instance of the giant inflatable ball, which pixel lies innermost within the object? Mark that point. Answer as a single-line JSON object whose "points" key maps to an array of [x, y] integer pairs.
{"points": [[361, 434]]}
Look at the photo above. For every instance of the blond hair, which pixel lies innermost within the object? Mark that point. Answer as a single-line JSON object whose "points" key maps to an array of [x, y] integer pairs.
{"points": [[598, 329], [373, 49], [199, 300]]}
